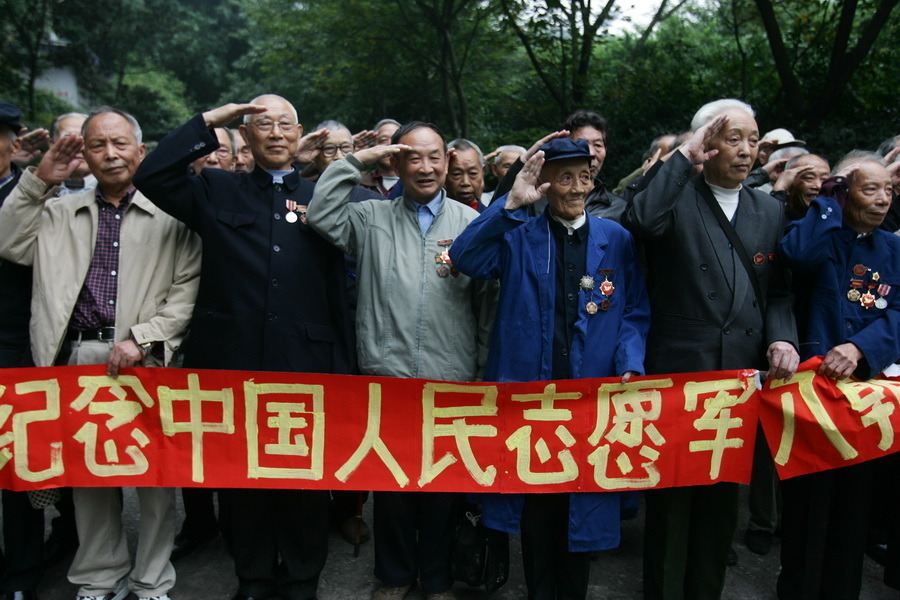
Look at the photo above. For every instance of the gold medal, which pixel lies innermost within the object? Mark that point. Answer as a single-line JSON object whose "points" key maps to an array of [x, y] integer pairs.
{"points": [[867, 300], [853, 295]]}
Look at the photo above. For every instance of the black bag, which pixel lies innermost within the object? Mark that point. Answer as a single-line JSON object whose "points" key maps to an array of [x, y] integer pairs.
{"points": [[480, 555]]}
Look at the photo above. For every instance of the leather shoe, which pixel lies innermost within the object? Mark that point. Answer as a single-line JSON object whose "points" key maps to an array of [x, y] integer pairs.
{"points": [[758, 541], [185, 546], [732, 558], [351, 526], [23, 595]]}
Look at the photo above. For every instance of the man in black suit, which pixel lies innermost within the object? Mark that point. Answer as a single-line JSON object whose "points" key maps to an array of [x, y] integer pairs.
{"points": [[272, 298], [708, 313]]}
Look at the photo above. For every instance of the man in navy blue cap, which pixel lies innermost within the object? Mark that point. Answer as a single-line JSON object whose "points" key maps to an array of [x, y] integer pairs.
{"points": [[572, 305]]}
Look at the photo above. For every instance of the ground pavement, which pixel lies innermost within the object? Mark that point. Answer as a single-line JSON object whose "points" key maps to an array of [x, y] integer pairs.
{"points": [[615, 575]]}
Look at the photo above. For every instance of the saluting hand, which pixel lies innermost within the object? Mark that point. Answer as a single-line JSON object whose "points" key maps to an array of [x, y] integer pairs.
{"points": [[222, 116], [527, 189], [61, 160], [695, 148], [370, 156]]}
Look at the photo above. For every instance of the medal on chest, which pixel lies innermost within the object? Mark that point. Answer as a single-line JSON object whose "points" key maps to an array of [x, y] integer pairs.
{"points": [[605, 288], [444, 264], [296, 212]]}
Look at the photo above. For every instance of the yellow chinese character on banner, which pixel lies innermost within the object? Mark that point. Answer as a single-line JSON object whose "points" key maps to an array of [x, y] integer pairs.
{"points": [[286, 418], [520, 440], [458, 428], [804, 383], [121, 411], [868, 399], [22, 453], [626, 416], [195, 425], [717, 404], [372, 442]]}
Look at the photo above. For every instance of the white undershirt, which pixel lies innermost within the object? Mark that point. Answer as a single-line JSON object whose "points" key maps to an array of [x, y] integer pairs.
{"points": [[570, 226], [727, 198]]}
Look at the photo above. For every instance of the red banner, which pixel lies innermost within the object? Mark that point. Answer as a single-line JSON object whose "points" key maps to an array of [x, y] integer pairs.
{"points": [[74, 426]]}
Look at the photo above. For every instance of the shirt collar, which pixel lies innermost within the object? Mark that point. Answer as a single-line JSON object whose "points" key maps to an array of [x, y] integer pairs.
{"points": [[434, 206], [123, 203], [574, 226]]}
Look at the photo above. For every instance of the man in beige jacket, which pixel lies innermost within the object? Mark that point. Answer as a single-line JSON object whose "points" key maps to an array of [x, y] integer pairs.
{"points": [[115, 280]]}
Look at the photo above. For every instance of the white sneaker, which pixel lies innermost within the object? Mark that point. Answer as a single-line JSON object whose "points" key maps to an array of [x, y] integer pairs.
{"points": [[120, 593]]}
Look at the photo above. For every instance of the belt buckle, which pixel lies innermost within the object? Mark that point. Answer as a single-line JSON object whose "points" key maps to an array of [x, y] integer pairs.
{"points": [[106, 334]]}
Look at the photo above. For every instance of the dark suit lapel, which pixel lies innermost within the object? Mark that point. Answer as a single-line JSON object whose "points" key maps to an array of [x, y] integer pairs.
{"points": [[717, 238]]}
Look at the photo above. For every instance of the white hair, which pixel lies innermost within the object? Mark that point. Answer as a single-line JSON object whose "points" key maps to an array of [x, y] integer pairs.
{"points": [[276, 96], [464, 144], [710, 110], [507, 148]]}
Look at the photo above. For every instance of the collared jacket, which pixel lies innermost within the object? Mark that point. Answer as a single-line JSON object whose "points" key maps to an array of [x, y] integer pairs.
{"points": [[520, 251], [704, 313], [410, 320], [829, 257], [159, 265], [273, 293]]}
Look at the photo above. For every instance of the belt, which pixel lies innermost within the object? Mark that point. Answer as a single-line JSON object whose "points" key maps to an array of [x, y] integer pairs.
{"points": [[104, 334]]}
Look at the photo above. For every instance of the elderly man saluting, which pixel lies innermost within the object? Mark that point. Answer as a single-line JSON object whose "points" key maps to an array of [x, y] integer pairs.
{"points": [[572, 305]]}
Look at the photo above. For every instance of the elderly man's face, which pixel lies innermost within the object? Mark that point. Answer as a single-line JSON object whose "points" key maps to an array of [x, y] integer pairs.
{"points": [[737, 143], [422, 169], [335, 146], [243, 157], [111, 150], [273, 135], [571, 181], [383, 138], [72, 126], [596, 144], [7, 149], [869, 198], [465, 177], [807, 184], [504, 161], [221, 158]]}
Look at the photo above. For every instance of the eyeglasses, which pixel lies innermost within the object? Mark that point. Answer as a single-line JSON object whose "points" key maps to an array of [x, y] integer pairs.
{"points": [[267, 126], [567, 180], [330, 150], [224, 153]]}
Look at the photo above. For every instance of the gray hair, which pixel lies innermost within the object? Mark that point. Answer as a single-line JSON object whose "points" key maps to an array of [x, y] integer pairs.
{"points": [[331, 125], [12, 135], [788, 152], [712, 109], [464, 144], [856, 156], [54, 129], [792, 162], [508, 148], [889, 144], [384, 122], [135, 126], [263, 97], [232, 138]]}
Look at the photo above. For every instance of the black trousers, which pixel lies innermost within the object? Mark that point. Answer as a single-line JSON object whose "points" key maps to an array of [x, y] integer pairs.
{"points": [[266, 524], [414, 537], [687, 535], [551, 571], [823, 534], [888, 474], [23, 532]]}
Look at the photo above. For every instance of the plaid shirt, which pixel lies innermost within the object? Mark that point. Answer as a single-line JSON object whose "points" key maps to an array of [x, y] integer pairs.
{"points": [[96, 304]]}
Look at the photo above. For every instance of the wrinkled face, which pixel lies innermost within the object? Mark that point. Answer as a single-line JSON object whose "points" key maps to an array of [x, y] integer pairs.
{"points": [[72, 126], [504, 162], [7, 149], [737, 143], [869, 198], [383, 138], [465, 177], [807, 184], [220, 158], [243, 157], [571, 181], [111, 150], [422, 169], [596, 144], [336, 146], [272, 135]]}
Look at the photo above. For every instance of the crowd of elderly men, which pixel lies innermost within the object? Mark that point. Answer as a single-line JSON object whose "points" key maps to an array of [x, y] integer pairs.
{"points": [[381, 253]]}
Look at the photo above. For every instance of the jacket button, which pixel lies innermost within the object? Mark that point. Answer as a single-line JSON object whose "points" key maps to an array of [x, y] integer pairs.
{"points": [[277, 217], [276, 248], [274, 283], [711, 295], [704, 266], [727, 330], [271, 316], [565, 352], [749, 331], [571, 296], [277, 188]]}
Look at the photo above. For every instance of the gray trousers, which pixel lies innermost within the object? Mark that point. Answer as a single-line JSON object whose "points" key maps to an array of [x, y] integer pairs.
{"points": [[102, 558]]}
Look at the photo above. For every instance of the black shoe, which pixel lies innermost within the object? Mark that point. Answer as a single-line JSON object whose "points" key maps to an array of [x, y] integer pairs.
{"points": [[758, 541], [58, 548], [732, 558], [24, 595], [877, 552]]}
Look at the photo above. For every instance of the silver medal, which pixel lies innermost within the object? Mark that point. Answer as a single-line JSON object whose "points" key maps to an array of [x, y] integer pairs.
{"points": [[291, 217]]}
